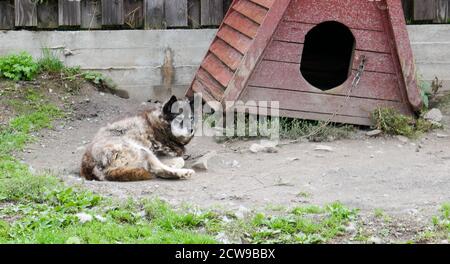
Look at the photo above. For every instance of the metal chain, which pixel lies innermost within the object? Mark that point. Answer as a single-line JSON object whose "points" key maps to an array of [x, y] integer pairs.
{"points": [[355, 83]]}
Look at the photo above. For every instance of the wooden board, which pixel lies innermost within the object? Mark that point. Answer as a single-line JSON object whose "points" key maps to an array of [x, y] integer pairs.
{"points": [[194, 13], [234, 38], [366, 40], [25, 13], [287, 76], [7, 14], [211, 12], [154, 14], [291, 52], [319, 103], [354, 14], [217, 69], [176, 13], [69, 13], [242, 24], [442, 14], [47, 13], [423, 10], [91, 14], [228, 55], [134, 13], [251, 10], [112, 13]]}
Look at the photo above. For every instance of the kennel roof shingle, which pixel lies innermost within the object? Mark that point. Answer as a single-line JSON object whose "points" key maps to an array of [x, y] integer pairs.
{"points": [[259, 50]]}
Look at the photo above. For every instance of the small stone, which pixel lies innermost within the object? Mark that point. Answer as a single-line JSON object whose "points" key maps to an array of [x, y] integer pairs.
{"points": [[442, 135], [350, 228], [100, 218], [255, 148], [73, 240], [264, 146], [202, 163], [323, 148], [375, 240], [242, 212], [374, 133], [83, 217], [402, 139], [235, 164], [434, 115], [293, 159]]}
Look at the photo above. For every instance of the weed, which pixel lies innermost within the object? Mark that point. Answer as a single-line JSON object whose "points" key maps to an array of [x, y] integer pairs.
{"points": [[49, 62], [316, 131], [309, 224], [18, 67], [288, 128], [391, 122]]}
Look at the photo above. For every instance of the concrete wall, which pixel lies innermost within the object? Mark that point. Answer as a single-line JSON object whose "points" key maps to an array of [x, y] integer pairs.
{"points": [[431, 47], [135, 58]]}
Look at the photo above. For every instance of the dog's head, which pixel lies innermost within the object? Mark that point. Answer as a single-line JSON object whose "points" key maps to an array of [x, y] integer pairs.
{"points": [[179, 117]]}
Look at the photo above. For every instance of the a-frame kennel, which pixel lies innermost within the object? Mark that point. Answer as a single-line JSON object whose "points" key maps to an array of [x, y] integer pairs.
{"points": [[305, 54]]}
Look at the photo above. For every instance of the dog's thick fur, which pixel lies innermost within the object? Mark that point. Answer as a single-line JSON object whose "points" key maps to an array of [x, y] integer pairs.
{"points": [[128, 150]]}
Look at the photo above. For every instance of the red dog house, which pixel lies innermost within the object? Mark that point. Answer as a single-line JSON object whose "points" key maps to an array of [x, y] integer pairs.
{"points": [[305, 54]]}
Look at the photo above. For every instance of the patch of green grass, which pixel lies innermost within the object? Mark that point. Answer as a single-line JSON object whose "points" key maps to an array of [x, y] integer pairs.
{"points": [[440, 228], [316, 131], [18, 67], [285, 128], [391, 122], [309, 224], [49, 62]]}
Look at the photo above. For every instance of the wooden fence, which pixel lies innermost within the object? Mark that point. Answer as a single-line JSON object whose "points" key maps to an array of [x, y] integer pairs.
{"points": [[119, 14], [153, 14]]}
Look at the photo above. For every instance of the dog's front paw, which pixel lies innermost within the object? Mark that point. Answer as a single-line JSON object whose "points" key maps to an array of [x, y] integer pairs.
{"points": [[186, 174]]}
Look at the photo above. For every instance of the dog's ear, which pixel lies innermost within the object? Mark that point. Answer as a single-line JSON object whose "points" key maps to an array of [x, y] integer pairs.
{"points": [[167, 108]]}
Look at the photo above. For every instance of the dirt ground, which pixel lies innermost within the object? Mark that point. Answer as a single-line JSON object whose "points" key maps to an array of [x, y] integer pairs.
{"points": [[409, 180]]}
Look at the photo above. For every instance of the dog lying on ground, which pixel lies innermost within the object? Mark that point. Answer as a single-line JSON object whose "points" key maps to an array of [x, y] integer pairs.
{"points": [[130, 149]]}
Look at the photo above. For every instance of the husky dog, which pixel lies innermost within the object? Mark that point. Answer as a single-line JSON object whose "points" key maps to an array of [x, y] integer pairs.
{"points": [[130, 149]]}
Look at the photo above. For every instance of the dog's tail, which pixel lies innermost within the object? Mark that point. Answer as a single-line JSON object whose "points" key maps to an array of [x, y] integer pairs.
{"points": [[128, 174], [87, 167]]}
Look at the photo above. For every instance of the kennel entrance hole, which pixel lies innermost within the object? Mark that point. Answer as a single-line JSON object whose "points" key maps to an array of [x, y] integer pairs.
{"points": [[327, 55]]}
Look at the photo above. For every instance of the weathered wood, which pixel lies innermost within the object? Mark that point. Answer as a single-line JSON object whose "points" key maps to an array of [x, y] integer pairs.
{"points": [[319, 102], [408, 10], [134, 13], [226, 6], [242, 24], [291, 52], [217, 69], [344, 11], [91, 14], [442, 8], [226, 54], [7, 14], [234, 38], [194, 13], [154, 14], [176, 12], [112, 13], [367, 39], [282, 75], [47, 13], [69, 13], [423, 10], [251, 10], [25, 13], [211, 12]]}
